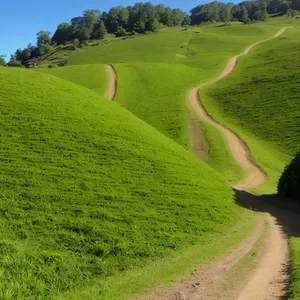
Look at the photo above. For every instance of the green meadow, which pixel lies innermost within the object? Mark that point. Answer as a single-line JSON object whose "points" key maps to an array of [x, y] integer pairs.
{"points": [[93, 77], [260, 102], [97, 192], [108, 200], [156, 71]]}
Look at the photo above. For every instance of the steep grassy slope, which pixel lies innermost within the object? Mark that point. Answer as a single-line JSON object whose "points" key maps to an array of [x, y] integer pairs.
{"points": [[260, 101], [190, 47], [88, 190], [207, 48], [294, 288], [93, 77], [156, 93]]}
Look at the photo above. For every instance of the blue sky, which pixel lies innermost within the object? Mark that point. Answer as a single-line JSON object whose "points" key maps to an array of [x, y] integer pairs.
{"points": [[20, 21]]}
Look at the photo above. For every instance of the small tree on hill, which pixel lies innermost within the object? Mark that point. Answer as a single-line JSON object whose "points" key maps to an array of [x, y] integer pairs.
{"points": [[76, 43], [2, 60], [43, 38], [99, 31], [289, 182], [121, 32], [153, 25], [13, 62], [244, 15]]}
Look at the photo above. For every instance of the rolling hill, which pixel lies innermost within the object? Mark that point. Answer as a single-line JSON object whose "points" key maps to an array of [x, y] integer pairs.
{"points": [[269, 122], [96, 191]]}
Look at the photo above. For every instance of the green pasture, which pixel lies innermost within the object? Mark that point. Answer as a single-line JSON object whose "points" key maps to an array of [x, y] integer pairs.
{"points": [[93, 77], [96, 192], [260, 101]]}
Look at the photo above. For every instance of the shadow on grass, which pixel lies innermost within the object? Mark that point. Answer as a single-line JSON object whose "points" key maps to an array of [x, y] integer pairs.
{"points": [[286, 214]]}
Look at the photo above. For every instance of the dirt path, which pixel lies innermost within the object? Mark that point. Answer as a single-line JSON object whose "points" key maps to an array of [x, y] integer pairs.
{"points": [[112, 88], [269, 279]]}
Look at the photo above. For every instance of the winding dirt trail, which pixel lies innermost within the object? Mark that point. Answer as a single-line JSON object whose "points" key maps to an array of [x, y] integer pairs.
{"points": [[112, 87], [269, 278]]}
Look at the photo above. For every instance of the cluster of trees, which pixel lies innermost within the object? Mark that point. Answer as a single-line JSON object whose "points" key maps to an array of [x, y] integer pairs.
{"points": [[246, 11], [140, 18], [289, 182], [146, 17]]}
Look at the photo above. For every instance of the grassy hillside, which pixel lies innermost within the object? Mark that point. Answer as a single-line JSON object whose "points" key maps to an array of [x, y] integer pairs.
{"points": [[89, 190], [294, 288], [259, 100], [174, 45], [162, 102], [93, 77]]}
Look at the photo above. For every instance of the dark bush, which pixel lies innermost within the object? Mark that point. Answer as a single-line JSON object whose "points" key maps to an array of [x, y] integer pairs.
{"points": [[289, 182], [121, 32], [63, 63], [52, 66]]}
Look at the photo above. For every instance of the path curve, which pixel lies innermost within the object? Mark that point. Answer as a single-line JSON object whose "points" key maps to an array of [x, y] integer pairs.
{"points": [[239, 149], [112, 87], [269, 277]]}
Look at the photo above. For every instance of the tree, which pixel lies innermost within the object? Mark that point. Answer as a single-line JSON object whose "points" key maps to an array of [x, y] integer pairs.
{"points": [[139, 27], [225, 12], [153, 25], [177, 17], [121, 32], [43, 38], [165, 15], [25, 55], [292, 13], [284, 6], [186, 20], [62, 34], [289, 182], [91, 17], [44, 49], [76, 43], [117, 18], [244, 15], [2, 60], [99, 31], [13, 62]]}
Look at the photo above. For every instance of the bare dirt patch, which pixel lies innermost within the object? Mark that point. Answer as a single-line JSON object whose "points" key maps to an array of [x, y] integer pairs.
{"points": [[112, 87]]}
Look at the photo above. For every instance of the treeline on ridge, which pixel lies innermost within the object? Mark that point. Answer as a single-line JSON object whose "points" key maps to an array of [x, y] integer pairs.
{"points": [[146, 17]]}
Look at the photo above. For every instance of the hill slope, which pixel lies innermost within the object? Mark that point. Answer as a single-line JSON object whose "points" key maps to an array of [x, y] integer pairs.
{"points": [[259, 100], [95, 189]]}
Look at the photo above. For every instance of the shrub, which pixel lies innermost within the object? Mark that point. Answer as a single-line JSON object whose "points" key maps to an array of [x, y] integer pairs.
{"points": [[63, 63], [52, 66], [289, 182], [75, 44], [121, 32]]}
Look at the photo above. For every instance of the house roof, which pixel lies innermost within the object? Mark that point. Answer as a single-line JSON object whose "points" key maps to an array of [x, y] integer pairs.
{"points": [[32, 60]]}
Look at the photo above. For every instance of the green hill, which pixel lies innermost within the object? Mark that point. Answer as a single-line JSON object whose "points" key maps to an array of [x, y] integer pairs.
{"points": [[89, 190], [156, 71], [259, 101], [93, 77]]}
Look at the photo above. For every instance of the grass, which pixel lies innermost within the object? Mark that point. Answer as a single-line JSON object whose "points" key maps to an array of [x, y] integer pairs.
{"points": [[96, 191], [175, 50], [176, 53], [294, 287], [269, 76], [93, 77], [269, 122], [161, 273]]}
